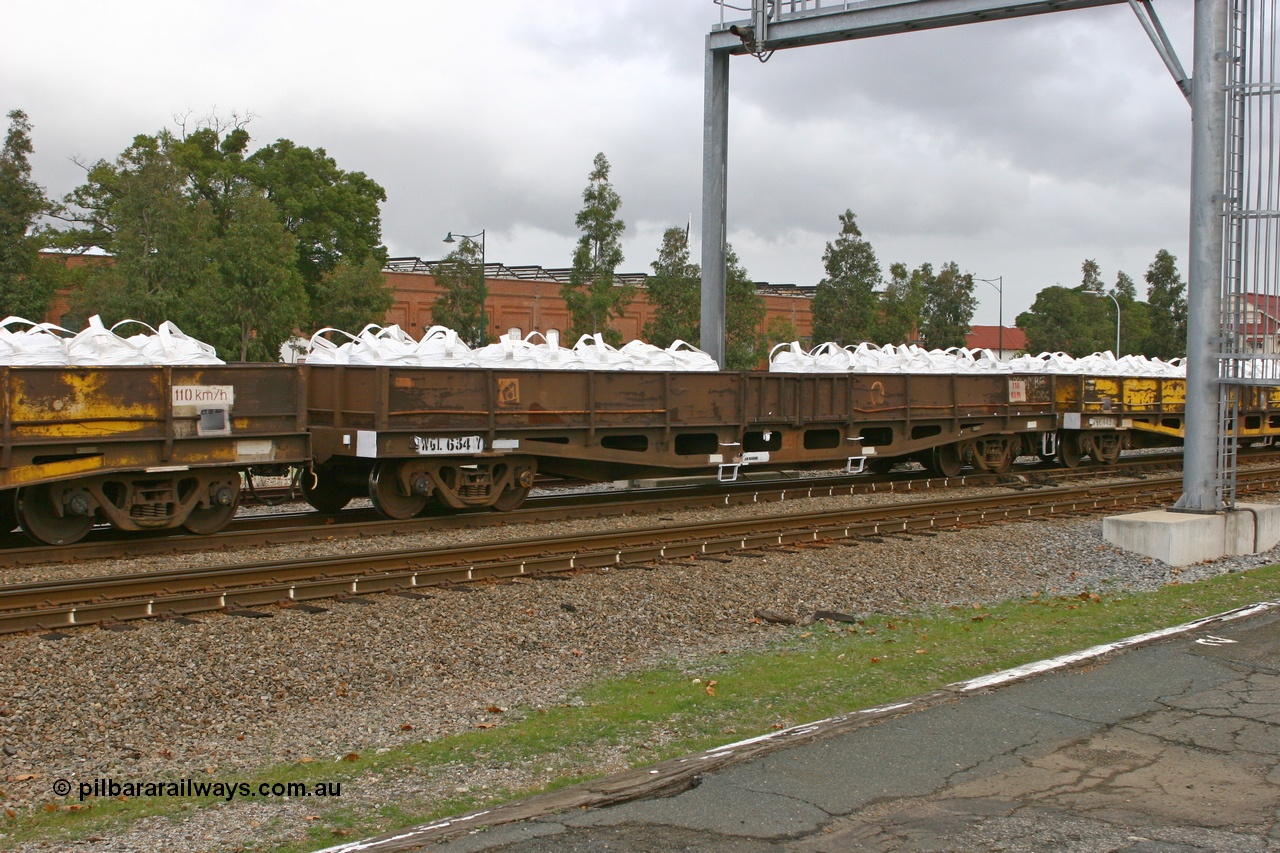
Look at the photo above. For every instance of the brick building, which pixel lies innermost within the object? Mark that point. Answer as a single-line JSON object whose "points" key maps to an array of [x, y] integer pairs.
{"points": [[528, 298]]}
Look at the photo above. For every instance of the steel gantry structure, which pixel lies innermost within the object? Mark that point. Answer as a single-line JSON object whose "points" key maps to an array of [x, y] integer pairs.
{"points": [[1233, 66]]}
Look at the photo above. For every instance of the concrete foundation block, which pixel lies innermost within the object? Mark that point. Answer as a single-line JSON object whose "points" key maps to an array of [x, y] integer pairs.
{"points": [[1182, 538], [1239, 532], [1266, 527], [1176, 538]]}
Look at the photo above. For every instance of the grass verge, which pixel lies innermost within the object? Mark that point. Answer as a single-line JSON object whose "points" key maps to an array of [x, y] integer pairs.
{"points": [[812, 672]]}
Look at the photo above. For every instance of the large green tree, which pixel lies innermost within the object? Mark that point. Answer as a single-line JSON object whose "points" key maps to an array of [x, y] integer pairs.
{"points": [[948, 306], [1167, 296], [1135, 315], [744, 312], [1065, 319], [239, 248], [163, 241], [460, 276], [846, 307], [674, 291], [26, 282], [902, 302], [257, 300], [592, 294], [1082, 320], [333, 214]]}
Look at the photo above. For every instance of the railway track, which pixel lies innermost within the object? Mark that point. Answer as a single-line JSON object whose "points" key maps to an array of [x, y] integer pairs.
{"points": [[306, 526], [97, 600]]}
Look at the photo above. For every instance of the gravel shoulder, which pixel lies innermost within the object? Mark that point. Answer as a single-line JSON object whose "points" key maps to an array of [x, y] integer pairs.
{"points": [[226, 696]]}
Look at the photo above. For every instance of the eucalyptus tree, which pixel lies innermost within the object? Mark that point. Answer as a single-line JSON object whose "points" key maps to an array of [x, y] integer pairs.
{"points": [[846, 307], [1167, 296], [26, 283], [674, 291], [592, 294]]}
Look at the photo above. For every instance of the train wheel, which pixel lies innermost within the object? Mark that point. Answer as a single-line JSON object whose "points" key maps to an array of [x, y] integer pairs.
{"points": [[324, 492], [1069, 454], [511, 498], [40, 520], [946, 461], [387, 496], [203, 521]]}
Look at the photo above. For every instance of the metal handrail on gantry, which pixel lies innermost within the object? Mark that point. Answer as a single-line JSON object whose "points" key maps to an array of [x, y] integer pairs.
{"points": [[1250, 301]]}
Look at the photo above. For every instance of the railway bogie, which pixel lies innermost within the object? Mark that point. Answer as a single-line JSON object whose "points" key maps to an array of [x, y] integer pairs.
{"points": [[141, 448]]}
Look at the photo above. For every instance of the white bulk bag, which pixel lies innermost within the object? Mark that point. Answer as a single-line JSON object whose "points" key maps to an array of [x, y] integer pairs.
{"points": [[510, 351], [789, 358], [689, 357], [441, 347], [321, 350], [95, 344], [552, 356], [169, 345], [389, 345], [39, 345], [595, 354]]}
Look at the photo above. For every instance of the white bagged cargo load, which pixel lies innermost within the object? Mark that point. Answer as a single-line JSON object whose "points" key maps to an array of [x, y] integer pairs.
{"points": [[44, 344], [442, 347], [909, 358]]}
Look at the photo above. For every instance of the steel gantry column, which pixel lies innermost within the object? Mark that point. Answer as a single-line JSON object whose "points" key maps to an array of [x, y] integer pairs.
{"points": [[1200, 476], [715, 170]]}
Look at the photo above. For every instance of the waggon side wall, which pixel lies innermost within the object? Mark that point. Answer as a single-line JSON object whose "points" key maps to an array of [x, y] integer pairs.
{"points": [[621, 422], [60, 422]]}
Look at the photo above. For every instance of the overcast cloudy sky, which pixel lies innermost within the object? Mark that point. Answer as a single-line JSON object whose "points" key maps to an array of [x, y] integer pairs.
{"points": [[1016, 149]]}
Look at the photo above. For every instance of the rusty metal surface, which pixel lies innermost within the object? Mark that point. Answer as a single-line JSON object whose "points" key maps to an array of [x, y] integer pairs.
{"points": [[624, 421], [59, 423]]}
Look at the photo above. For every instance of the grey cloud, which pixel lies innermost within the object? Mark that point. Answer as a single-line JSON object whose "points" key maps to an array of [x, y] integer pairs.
{"points": [[1018, 147]]}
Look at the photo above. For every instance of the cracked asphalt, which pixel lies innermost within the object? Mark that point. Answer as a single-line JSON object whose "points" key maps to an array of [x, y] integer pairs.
{"points": [[1166, 748]]}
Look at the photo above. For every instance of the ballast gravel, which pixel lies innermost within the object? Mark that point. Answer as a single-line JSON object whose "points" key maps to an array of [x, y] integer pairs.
{"points": [[225, 696]]}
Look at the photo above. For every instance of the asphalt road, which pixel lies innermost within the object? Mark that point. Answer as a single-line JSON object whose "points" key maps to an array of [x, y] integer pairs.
{"points": [[1167, 745]]}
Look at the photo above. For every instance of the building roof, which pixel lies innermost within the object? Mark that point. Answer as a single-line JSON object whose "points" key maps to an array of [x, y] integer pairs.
{"points": [[534, 272], [988, 337]]}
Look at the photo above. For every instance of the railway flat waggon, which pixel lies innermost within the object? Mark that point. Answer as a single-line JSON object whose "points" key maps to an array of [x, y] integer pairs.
{"points": [[151, 447], [477, 437], [141, 447]]}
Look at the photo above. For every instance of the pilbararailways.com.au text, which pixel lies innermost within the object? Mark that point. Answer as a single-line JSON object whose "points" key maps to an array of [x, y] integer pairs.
{"points": [[196, 788]]}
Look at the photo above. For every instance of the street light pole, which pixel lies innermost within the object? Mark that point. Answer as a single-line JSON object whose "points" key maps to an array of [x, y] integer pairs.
{"points": [[484, 325], [998, 284], [1117, 302]]}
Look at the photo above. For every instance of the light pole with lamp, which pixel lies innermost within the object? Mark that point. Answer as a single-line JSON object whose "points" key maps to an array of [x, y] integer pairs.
{"points": [[484, 325], [1117, 302], [998, 284]]}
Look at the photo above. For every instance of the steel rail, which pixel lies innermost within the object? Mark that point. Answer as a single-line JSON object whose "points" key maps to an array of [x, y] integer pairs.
{"points": [[87, 601], [308, 526]]}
